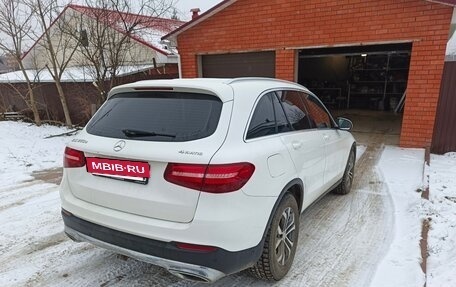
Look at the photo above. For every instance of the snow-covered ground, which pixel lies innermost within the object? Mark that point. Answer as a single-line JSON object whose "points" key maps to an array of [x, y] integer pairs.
{"points": [[402, 170], [35, 252], [24, 149], [29, 211], [442, 213]]}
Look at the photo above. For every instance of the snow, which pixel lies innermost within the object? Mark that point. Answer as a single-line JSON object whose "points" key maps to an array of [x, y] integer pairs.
{"points": [[402, 170], [360, 149], [24, 149], [71, 74], [35, 252], [442, 212], [451, 46], [29, 210], [153, 36]]}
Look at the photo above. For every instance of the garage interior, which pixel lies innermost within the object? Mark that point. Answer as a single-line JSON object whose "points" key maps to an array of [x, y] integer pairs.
{"points": [[366, 84]]}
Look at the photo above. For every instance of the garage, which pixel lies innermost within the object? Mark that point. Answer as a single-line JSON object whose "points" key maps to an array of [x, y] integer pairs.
{"points": [[258, 64], [364, 83], [381, 59], [361, 77]]}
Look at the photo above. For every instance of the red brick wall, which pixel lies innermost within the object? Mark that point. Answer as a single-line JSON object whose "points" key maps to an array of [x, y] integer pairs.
{"points": [[254, 25]]}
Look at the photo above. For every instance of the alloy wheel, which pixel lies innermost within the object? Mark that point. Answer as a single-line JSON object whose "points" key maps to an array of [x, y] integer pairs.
{"points": [[285, 237]]}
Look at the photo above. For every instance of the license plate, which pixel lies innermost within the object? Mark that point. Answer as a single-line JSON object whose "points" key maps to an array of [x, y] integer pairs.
{"points": [[120, 169]]}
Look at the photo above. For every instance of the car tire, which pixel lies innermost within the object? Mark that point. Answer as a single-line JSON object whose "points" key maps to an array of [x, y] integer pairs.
{"points": [[279, 247], [347, 180]]}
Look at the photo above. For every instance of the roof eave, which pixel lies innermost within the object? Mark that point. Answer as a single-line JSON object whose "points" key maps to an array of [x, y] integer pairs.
{"points": [[209, 13], [444, 2]]}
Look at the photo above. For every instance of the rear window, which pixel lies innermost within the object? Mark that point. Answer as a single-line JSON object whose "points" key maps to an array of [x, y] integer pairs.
{"points": [[157, 116]]}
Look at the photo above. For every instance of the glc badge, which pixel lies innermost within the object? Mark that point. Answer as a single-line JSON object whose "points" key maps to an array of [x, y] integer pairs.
{"points": [[119, 145]]}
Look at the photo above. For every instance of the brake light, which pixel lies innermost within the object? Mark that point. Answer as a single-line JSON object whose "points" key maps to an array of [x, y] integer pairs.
{"points": [[73, 158], [216, 178]]}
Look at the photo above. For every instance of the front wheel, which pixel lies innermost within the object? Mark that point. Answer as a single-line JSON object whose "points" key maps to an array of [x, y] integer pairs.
{"points": [[347, 180], [281, 241]]}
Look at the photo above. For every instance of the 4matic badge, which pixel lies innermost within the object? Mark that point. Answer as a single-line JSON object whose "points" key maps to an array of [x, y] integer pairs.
{"points": [[186, 152]]}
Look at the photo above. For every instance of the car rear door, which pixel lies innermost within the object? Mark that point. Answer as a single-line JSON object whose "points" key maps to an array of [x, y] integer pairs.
{"points": [[148, 129], [305, 145]]}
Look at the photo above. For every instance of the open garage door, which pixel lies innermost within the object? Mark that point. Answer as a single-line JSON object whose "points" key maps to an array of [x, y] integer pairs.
{"points": [[257, 64], [367, 84]]}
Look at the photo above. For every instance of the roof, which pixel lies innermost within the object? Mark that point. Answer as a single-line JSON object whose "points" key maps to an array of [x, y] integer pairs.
{"points": [[71, 74], [451, 46], [446, 2], [209, 13], [149, 30], [222, 5], [220, 87]]}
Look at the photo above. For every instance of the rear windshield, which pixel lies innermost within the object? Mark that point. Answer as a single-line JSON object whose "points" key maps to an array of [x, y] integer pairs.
{"points": [[157, 116]]}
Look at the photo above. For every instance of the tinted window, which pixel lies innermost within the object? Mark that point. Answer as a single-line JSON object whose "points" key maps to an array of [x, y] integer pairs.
{"points": [[295, 110], [318, 114], [283, 124], [263, 119], [157, 116]]}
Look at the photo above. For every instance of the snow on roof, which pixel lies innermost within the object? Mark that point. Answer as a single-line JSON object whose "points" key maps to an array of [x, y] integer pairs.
{"points": [[71, 74], [451, 46], [148, 30]]}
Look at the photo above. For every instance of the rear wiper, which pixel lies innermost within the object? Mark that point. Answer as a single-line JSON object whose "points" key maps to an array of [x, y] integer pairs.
{"points": [[137, 133]]}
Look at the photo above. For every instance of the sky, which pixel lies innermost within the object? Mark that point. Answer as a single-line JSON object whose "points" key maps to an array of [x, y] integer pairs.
{"points": [[184, 6]]}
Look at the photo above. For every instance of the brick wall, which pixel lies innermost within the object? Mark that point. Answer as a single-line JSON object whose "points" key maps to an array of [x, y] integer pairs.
{"points": [[255, 25]]}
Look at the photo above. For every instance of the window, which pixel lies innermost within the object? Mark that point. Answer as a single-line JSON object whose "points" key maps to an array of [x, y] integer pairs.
{"points": [[317, 112], [83, 38], [295, 110], [263, 120], [281, 119], [157, 116]]}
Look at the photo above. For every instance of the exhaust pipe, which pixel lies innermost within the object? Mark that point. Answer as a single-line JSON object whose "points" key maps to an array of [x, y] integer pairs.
{"points": [[192, 276]]}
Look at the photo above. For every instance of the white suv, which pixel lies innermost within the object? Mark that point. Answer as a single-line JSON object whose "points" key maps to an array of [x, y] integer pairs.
{"points": [[204, 177]]}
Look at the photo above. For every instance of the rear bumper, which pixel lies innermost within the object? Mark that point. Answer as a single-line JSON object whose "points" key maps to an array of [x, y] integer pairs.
{"points": [[194, 265]]}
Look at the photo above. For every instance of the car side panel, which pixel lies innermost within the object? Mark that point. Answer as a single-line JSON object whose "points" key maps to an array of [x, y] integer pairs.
{"points": [[308, 154], [337, 146], [273, 165]]}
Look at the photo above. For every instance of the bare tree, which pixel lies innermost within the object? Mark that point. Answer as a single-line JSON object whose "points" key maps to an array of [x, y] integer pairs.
{"points": [[107, 32], [59, 49], [16, 24]]}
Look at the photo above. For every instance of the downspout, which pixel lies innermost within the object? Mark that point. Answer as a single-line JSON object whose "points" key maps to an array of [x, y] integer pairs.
{"points": [[179, 65]]}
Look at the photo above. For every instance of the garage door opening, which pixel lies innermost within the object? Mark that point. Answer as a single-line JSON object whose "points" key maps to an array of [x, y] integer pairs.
{"points": [[364, 83]]}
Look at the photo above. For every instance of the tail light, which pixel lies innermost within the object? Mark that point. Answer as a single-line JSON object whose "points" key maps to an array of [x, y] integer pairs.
{"points": [[73, 158], [216, 178]]}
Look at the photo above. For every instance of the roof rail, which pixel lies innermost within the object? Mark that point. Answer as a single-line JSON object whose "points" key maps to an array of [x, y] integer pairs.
{"points": [[235, 80]]}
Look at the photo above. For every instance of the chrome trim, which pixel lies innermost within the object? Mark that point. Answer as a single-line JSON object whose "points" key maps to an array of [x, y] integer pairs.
{"points": [[180, 269]]}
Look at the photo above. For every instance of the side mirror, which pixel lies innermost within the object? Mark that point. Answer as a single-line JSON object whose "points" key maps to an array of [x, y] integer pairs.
{"points": [[344, 124]]}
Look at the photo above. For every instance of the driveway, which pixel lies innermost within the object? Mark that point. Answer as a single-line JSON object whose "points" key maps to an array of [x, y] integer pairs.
{"points": [[342, 239]]}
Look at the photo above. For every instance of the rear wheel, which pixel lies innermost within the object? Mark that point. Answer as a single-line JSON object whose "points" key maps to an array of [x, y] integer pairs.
{"points": [[281, 241], [347, 180]]}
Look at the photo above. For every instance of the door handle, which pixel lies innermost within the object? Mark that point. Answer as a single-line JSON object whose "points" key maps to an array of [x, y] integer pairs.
{"points": [[296, 145], [325, 137]]}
